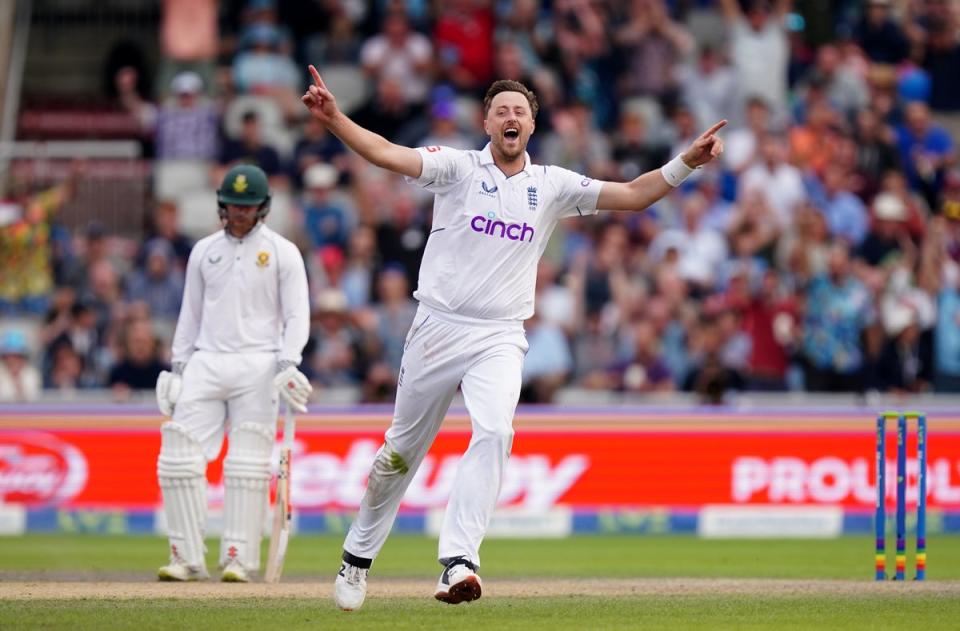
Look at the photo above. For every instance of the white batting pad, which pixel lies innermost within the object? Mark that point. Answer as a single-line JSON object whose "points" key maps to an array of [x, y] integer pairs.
{"points": [[181, 471], [246, 476]]}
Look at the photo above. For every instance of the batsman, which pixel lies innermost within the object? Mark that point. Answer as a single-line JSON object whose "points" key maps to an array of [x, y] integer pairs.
{"points": [[238, 343]]}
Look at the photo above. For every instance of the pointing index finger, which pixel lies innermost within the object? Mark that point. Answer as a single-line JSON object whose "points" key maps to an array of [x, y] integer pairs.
{"points": [[716, 127], [316, 77]]}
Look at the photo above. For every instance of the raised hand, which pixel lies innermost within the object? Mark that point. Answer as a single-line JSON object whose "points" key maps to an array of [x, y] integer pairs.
{"points": [[319, 100], [705, 148]]}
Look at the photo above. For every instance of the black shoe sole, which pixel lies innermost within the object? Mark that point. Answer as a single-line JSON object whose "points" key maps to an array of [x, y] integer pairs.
{"points": [[463, 592]]}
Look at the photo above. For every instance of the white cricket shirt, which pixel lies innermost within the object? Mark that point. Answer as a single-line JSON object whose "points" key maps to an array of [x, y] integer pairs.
{"points": [[489, 230], [243, 296]]}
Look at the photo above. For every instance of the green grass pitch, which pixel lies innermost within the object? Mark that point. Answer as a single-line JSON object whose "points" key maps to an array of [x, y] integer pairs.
{"points": [[315, 558]]}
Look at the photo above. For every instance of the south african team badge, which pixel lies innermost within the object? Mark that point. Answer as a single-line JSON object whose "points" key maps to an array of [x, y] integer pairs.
{"points": [[263, 259]]}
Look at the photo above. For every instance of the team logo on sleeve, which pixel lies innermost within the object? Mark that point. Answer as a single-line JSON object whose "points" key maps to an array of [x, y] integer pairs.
{"points": [[263, 259], [532, 198]]}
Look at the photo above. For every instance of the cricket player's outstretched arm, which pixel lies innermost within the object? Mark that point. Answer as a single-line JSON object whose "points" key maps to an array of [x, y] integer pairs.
{"points": [[372, 147], [646, 189]]}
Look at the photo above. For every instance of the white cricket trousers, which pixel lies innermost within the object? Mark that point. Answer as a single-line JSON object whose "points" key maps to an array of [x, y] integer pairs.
{"points": [[443, 351], [221, 386]]}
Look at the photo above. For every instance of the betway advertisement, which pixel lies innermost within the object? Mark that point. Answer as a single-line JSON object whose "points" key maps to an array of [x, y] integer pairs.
{"points": [[584, 460]]}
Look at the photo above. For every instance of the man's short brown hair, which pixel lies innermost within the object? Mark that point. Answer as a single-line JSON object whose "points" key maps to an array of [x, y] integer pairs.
{"points": [[509, 85]]}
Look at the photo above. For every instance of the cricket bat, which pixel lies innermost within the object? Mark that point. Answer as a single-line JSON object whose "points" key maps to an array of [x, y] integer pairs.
{"points": [[282, 513]]}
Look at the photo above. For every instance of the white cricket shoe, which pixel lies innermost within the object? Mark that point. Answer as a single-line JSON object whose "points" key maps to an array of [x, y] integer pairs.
{"points": [[458, 583], [179, 571], [350, 588], [234, 572]]}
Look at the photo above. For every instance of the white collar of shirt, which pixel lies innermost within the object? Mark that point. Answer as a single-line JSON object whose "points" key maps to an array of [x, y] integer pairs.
{"points": [[486, 157]]}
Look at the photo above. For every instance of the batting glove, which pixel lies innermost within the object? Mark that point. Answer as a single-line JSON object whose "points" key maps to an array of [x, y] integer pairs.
{"points": [[294, 387], [168, 391]]}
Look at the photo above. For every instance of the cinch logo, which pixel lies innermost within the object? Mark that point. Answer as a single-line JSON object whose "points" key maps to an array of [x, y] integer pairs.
{"points": [[494, 227]]}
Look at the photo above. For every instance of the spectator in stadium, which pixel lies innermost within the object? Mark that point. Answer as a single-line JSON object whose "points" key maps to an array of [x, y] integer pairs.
{"points": [[444, 128], [770, 319], [759, 50], [393, 312], [263, 68], [315, 146], [709, 378], [401, 233], [846, 215], [888, 234], [709, 85], [880, 35], [837, 310], [20, 380], [926, 150], [251, 148], [79, 331], [876, 151], [186, 126], [743, 146], [164, 226], [947, 331], [635, 149], [387, 112], [328, 216], [333, 354], [645, 371], [67, 371], [359, 269], [140, 364], [159, 282], [401, 53], [650, 44], [780, 182], [548, 362], [463, 35], [26, 275]]}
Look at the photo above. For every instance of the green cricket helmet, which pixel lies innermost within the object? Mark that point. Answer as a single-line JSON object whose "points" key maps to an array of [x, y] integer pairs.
{"points": [[244, 185]]}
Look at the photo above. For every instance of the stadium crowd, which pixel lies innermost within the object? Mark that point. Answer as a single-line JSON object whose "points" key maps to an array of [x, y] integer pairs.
{"points": [[821, 254]]}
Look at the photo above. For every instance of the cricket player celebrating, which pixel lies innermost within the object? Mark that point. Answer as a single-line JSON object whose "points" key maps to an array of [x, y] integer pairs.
{"points": [[243, 324], [493, 215]]}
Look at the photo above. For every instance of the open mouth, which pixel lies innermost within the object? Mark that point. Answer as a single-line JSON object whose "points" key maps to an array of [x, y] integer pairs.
{"points": [[511, 133]]}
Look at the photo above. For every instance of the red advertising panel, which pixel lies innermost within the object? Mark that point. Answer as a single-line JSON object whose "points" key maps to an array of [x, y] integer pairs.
{"points": [[573, 460]]}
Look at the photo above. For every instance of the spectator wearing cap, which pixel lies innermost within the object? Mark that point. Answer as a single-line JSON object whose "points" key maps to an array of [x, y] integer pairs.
{"points": [[159, 283], [901, 366], [333, 353], [19, 380], [186, 127], [327, 216], [444, 130], [888, 231]]}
